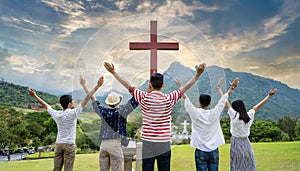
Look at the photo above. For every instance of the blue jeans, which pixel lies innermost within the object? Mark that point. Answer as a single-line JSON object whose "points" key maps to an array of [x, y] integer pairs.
{"points": [[160, 151], [207, 160]]}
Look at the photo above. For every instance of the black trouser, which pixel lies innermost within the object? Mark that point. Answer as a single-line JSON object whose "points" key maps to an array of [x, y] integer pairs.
{"points": [[161, 151]]}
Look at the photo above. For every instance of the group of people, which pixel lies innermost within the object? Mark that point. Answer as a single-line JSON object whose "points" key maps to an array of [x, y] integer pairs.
{"points": [[156, 108]]}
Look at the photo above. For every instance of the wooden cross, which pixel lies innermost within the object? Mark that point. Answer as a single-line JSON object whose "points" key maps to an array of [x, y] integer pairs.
{"points": [[153, 46]]}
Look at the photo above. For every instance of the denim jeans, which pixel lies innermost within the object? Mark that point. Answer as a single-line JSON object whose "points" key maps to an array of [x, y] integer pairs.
{"points": [[207, 160], [161, 151]]}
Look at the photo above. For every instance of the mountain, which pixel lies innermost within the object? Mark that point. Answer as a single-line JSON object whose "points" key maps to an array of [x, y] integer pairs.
{"points": [[252, 89]]}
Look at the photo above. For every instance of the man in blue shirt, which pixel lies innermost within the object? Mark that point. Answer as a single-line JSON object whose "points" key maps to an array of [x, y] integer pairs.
{"points": [[113, 129]]}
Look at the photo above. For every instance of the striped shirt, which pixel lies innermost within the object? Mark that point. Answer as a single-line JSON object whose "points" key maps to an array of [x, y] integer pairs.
{"points": [[66, 121], [156, 109]]}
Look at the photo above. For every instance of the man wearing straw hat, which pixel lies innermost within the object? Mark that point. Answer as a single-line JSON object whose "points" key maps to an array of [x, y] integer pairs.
{"points": [[113, 129]]}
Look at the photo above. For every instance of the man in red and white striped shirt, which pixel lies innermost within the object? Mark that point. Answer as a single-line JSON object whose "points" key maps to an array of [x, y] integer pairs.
{"points": [[156, 109]]}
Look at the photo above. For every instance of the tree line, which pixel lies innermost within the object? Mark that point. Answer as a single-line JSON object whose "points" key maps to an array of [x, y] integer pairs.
{"points": [[285, 129], [34, 129], [37, 128]]}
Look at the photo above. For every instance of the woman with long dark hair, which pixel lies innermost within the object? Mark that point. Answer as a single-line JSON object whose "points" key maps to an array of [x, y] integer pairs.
{"points": [[241, 152]]}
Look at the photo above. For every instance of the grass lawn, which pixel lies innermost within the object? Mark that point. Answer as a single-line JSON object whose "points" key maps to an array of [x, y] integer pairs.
{"points": [[88, 117], [23, 110], [282, 156]]}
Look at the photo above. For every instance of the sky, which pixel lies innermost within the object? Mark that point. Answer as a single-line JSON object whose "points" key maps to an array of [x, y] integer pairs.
{"points": [[47, 44]]}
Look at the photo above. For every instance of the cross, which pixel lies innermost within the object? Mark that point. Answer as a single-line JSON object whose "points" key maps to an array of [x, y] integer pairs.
{"points": [[184, 127], [153, 46]]}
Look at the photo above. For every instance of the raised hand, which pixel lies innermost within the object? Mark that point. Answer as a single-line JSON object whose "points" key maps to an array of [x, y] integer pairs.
{"points": [[201, 68], [41, 101], [235, 83], [271, 93], [220, 82], [82, 80], [31, 92], [100, 81], [261, 103], [109, 67]]}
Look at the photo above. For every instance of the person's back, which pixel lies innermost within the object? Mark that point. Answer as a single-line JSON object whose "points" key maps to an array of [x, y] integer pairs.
{"points": [[156, 109], [65, 148], [207, 134], [114, 118], [206, 130], [238, 127], [156, 125], [113, 128], [241, 151], [66, 121]]}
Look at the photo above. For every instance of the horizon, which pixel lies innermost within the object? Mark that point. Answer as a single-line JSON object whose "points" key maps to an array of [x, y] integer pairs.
{"points": [[47, 45], [122, 90]]}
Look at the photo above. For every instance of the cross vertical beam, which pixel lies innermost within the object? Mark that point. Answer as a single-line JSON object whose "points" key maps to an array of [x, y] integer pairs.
{"points": [[153, 46]]}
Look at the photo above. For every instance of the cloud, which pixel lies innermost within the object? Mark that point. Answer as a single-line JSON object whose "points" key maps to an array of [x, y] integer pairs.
{"points": [[286, 69], [123, 4], [264, 33], [180, 9], [57, 45], [68, 7], [283, 68], [286, 60], [23, 64], [75, 12], [145, 7], [80, 16], [25, 24]]}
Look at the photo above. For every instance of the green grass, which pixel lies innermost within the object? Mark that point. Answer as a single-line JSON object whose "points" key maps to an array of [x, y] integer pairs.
{"points": [[23, 110], [269, 156], [43, 155], [88, 117]]}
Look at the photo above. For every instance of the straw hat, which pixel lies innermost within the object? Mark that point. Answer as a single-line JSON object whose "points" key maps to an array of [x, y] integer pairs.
{"points": [[113, 98]]}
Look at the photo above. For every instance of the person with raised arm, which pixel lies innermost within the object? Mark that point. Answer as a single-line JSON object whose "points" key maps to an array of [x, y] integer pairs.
{"points": [[207, 134], [66, 120], [113, 128], [156, 120], [241, 151]]}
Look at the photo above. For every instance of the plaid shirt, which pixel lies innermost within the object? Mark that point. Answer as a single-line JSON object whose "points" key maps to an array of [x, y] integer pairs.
{"points": [[114, 120]]}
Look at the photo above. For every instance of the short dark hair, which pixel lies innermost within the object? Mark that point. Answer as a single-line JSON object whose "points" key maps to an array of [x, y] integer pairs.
{"points": [[157, 80], [65, 100], [204, 99]]}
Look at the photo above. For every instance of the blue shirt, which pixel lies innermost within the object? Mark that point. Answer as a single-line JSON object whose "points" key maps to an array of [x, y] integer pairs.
{"points": [[114, 119]]}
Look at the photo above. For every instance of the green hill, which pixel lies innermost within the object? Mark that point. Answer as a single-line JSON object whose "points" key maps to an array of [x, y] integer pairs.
{"points": [[17, 96]]}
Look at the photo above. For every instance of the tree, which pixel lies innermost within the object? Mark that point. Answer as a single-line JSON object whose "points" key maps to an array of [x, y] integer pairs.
{"points": [[225, 124], [36, 126], [264, 131], [83, 142], [13, 128], [297, 129], [287, 124], [134, 123]]}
